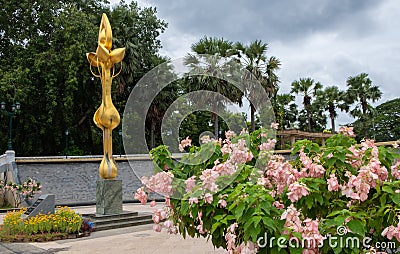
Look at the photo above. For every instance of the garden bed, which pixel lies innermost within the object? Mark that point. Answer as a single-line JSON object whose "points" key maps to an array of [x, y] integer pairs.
{"points": [[41, 237], [63, 224]]}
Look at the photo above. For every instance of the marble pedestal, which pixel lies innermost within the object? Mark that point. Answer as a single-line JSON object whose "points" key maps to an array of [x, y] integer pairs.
{"points": [[109, 197]]}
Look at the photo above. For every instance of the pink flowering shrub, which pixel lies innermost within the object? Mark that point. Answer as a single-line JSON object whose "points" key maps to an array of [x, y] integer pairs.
{"points": [[25, 191], [237, 191]]}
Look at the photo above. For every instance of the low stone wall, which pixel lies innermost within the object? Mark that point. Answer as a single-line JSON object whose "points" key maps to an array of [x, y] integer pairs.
{"points": [[75, 182]]}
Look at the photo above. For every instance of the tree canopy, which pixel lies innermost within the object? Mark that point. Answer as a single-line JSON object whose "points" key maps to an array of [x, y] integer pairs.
{"points": [[382, 126], [43, 65]]}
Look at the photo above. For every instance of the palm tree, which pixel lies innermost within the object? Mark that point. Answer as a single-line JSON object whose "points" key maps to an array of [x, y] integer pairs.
{"points": [[331, 99], [360, 90], [206, 64], [306, 87], [253, 58]]}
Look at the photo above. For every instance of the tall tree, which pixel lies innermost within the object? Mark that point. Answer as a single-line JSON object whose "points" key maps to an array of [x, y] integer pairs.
{"points": [[360, 91], [332, 99], [162, 101], [206, 64], [263, 69], [42, 58], [137, 29], [306, 87], [384, 126]]}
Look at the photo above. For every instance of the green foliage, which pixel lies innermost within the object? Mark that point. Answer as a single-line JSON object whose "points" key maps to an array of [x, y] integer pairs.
{"points": [[43, 65], [285, 111], [382, 125], [307, 87], [360, 91], [255, 207], [253, 58], [331, 99]]}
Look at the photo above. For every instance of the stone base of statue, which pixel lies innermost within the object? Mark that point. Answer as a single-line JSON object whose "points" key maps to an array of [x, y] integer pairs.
{"points": [[109, 197]]}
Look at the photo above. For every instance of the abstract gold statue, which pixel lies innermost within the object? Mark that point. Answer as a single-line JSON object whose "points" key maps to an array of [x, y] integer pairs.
{"points": [[106, 117]]}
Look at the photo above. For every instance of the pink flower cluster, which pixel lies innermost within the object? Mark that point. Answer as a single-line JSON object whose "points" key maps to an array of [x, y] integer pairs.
{"points": [[296, 191], [358, 187], [279, 174], [267, 146], [209, 177], [238, 154], [362, 183], [160, 183], [310, 169], [185, 143], [170, 227], [308, 229], [242, 248], [391, 232], [229, 134], [348, 131], [190, 183], [333, 184], [395, 170], [141, 195], [311, 235], [160, 215], [291, 215], [200, 226], [274, 126]]}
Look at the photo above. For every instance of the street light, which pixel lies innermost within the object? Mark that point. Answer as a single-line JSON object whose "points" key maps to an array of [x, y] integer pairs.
{"points": [[120, 142], [14, 109], [66, 143]]}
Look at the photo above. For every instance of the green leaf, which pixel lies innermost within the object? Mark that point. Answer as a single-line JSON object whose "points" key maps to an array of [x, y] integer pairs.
{"points": [[383, 200], [387, 189], [309, 202], [396, 198], [357, 227], [239, 211], [215, 226], [269, 223]]}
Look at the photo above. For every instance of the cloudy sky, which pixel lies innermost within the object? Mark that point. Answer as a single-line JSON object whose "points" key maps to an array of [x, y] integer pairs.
{"points": [[327, 40]]}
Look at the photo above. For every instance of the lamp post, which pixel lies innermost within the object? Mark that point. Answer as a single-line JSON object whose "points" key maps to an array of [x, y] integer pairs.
{"points": [[14, 109], [66, 143], [120, 142]]}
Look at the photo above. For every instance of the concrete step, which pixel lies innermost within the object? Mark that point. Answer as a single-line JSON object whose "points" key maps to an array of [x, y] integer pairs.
{"points": [[124, 224], [125, 219], [99, 217]]}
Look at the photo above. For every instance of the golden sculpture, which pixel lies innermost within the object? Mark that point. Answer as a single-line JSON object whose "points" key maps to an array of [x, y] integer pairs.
{"points": [[106, 117]]}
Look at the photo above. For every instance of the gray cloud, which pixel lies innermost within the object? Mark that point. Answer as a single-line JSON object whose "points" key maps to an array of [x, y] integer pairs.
{"points": [[328, 40]]}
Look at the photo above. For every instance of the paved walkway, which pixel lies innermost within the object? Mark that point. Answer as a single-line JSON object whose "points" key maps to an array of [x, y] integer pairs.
{"points": [[139, 239]]}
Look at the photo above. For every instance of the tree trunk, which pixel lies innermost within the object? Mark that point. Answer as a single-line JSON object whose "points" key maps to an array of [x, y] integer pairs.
{"points": [[364, 117], [307, 102], [308, 118], [333, 123], [216, 127], [364, 107], [252, 113], [332, 115]]}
